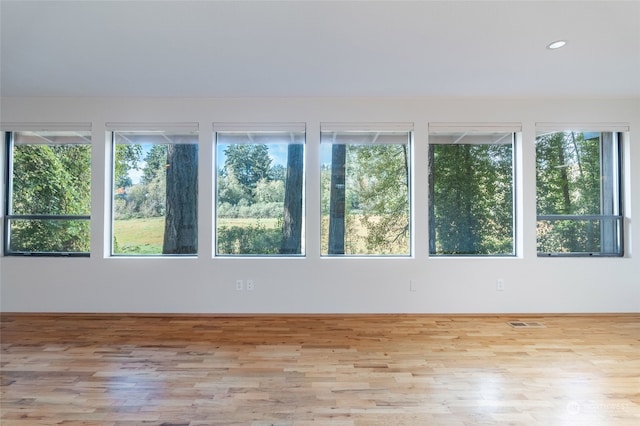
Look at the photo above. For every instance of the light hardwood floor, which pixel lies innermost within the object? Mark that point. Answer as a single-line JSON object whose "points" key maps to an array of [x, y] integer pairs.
{"points": [[321, 370]]}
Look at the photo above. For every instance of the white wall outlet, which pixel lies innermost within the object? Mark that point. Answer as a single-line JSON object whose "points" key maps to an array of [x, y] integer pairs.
{"points": [[239, 285], [412, 286], [250, 285], [499, 284]]}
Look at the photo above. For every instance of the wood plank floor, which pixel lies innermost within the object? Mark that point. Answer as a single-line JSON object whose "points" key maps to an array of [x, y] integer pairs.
{"points": [[321, 370]]}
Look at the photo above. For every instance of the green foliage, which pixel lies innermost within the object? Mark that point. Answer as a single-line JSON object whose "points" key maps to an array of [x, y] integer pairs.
{"points": [[230, 190], [269, 191], [142, 200], [51, 180], [244, 210], [155, 163], [472, 195], [167, 189], [126, 159], [248, 187], [249, 163], [376, 199], [565, 236], [568, 174], [568, 183], [50, 236], [249, 239], [380, 174], [277, 172], [147, 198]]}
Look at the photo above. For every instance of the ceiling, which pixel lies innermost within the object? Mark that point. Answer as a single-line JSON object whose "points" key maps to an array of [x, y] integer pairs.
{"points": [[319, 48]]}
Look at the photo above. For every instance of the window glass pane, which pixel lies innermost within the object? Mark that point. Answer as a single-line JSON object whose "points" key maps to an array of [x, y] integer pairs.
{"points": [[365, 191], [471, 208], [49, 235], [579, 235], [50, 180], [578, 203], [155, 198], [260, 193]]}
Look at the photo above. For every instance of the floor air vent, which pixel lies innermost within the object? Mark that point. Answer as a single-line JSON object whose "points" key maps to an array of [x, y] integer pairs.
{"points": [[521, 324]]}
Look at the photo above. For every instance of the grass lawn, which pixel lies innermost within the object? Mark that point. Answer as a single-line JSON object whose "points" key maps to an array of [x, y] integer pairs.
{"points": [[139, 236], [144, 236], [269, 223]]}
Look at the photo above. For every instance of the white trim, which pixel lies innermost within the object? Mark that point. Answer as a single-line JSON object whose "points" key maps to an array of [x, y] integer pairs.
{"points": [[366, 133], [260, 127], [153, 127], [471, 138], [366, 127], [475, 127], [151, 137], [366, 138], [581, 127], [34, 127]]}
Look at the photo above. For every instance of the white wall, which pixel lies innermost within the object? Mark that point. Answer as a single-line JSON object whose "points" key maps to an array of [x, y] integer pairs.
{"points": [[327, 285]]}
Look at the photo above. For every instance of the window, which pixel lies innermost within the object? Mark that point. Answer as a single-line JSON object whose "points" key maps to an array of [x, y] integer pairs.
{"points": [[365, 193], [48, 199], [471, 191], [155, 190], [578, 193], [260, 189]]}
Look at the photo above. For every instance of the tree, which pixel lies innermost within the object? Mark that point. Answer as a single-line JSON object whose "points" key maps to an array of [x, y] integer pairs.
{"points": [[367, 188], [126, 159], [337, 199], [431, 177], [381, 176], [181, 218], [155, 163], [270, 191], [292, 219], [277, 172], [568, 183], [230, 191], [472, 196], [52, 180], [249, 163]]}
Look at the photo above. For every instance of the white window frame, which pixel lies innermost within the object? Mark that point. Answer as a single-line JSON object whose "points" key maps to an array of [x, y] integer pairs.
{"points": [[439, 135], [9, 130], [619, 132]]}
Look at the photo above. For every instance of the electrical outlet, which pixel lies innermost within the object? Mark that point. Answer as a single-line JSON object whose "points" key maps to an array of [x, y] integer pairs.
{"points": [[412, 286], [499, 284], [239, 285], [250, 285]]}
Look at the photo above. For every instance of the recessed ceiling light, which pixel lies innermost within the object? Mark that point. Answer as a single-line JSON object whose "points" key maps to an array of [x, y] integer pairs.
{"points": [[556, 44]]}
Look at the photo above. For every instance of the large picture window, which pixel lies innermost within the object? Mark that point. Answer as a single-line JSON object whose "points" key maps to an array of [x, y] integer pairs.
{"points": [[578, 193], [48, 200], [471, 192], [366, 187], [260, 189], [155, 191]]}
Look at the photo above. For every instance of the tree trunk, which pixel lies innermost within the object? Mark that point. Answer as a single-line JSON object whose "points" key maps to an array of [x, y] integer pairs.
{"points": [[469, 233], [337, 199], [564, 180], [292, 222], [181, 216], [431, 200]]}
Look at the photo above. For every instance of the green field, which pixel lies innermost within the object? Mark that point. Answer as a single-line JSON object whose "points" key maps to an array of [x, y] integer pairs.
{"points": [[144, 236], [138, 236], [270, 223]]}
